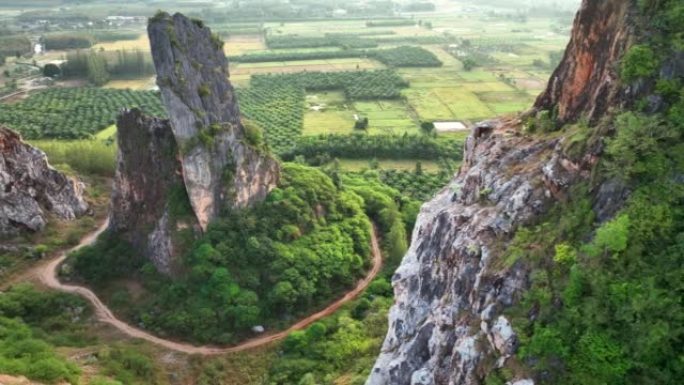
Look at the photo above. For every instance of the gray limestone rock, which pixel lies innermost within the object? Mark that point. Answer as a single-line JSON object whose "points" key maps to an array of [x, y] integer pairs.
{"points": [[192, 74], [31, 190], [449, 291], [199, 161]]}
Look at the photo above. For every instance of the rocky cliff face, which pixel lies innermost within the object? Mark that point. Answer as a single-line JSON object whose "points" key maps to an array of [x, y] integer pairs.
{"points": [[31, 190], [148, 183], [176, 175], [447, 324], [451, 287], [220, 167], [586, 82]]}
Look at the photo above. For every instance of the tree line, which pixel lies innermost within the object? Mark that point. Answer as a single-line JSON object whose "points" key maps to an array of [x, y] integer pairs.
{"points": [[100, 67]]}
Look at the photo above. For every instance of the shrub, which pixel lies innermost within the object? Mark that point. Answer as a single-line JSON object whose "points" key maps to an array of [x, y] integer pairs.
{"points": [[51, 70], [203, 91], [253, 134], [639, 62], [361, 124]]}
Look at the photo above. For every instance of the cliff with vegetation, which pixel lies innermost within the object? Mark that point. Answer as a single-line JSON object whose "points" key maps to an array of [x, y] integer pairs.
{"points": [[175, 176], [553, 256], [31, 191], [149, 207], [225, 164]]}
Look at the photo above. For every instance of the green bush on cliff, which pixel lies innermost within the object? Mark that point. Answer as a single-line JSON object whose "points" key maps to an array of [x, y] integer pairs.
{"points": [[639, 62]]}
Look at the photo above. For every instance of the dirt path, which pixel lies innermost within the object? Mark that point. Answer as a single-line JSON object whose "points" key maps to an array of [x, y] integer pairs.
{"points": [[47, 273]]}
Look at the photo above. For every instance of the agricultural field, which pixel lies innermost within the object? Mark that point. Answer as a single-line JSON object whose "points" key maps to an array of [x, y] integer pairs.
{"points": [[355, 165], [241, 73], [310, 78], [74, 113], [435, 85], [331, 113], [417, 183], [243, 44], [388, 117], [303, 79], [277, 109], [404, 56]]}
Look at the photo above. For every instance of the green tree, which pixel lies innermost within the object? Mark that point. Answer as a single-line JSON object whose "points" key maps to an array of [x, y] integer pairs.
{"points": [[51, 70]]}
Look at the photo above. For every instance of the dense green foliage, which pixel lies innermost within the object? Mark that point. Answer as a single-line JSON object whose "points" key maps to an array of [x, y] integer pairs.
{"points": [[110, 36], [606, 298], [130, 63], [640, 61], [100, 67], [70, 113], [349, 41], [412, 40], [31, 324], [126, 365], [362, 146], [357, 85], [270, 56], [66, 41], [346, 344], [264, 265], [240, 29], [417, 184]]}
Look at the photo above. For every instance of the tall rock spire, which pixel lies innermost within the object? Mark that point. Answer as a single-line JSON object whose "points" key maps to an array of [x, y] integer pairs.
{"points": [[220, 167], [177, 175]]}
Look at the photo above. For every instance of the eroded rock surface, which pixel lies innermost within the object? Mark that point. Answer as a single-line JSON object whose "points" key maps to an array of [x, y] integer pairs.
{"points": [[31, 190], [192, 73], [176, 175], [447, 326], [587, 80], [148, 188], [451, 288]]}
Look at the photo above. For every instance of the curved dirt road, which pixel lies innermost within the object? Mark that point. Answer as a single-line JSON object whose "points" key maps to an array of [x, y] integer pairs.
{"points": [[48, 275]]}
